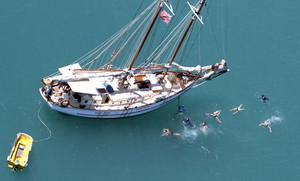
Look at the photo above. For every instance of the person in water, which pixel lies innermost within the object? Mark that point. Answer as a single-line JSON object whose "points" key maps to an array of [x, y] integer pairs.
{"points": [[263, 98], [215, 115], [266, 124], [167, 131], [204, 127], [187, 121], [237, 109]]}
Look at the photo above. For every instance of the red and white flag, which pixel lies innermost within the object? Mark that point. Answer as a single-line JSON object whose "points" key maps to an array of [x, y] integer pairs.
{"points": [[165, 16]]}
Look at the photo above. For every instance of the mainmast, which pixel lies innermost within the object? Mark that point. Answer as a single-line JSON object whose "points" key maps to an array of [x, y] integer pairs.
{"points": [[143, 41], [146, 35], [197, 12]]}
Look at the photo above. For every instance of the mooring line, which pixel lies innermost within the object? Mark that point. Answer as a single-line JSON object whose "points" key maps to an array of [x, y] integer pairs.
{"points": [[50, 133]]}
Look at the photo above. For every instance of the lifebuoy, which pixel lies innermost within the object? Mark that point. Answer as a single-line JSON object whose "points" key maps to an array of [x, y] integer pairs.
{"points": [[64, 103], [186, 73]]}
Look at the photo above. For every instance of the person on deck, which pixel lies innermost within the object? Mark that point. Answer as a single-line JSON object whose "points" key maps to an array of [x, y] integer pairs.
{"points": [[237, 109], [167, 131], [266, 124], [215, 115]]}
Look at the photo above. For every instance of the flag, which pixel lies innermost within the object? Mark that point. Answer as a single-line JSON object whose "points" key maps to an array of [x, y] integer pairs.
{"points": [[165, 16]]}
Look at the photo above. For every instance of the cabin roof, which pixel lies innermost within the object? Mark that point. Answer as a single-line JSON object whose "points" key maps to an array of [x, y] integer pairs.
{"points": [[86, 87]]}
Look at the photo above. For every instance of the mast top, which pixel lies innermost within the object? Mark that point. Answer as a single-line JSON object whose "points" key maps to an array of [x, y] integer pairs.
{"points": [[196, 12]]}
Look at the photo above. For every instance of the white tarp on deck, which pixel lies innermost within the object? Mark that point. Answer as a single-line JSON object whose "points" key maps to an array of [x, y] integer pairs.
{"points": [[189, 69], [86, 87], [68, 70]]}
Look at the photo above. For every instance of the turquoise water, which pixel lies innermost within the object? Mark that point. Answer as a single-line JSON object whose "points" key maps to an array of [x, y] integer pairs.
{"points": [[262, 50]]}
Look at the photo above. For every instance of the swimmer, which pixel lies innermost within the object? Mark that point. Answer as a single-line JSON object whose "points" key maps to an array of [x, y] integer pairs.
{"points": [[215, 115], [204, 127], [237, 109], [263, 98], [266, 124], [187, 121], [167, 131]]}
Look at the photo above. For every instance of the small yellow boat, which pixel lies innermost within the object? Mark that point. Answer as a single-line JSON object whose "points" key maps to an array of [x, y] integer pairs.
{"points": [[18, 156]]}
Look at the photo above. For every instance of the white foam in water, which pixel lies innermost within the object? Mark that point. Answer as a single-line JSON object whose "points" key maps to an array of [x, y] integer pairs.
{"points": [[205, 131], [190, 134], [276, 119], [205, 149]]}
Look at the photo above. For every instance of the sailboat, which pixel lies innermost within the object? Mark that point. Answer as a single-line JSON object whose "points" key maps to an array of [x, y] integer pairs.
{"points": [[108, 82]]}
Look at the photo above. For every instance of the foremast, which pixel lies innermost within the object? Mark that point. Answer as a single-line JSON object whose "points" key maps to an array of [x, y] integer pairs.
{"points": [[195, 14]]}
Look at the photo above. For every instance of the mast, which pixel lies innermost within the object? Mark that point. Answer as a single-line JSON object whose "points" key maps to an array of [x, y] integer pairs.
{"points": [[146, 35], [197, 12]]}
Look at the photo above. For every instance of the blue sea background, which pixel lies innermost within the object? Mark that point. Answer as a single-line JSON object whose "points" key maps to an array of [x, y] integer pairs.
{"points": [[262, 50]]}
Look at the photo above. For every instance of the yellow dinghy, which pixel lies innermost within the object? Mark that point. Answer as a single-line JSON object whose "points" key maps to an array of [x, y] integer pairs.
{"points": [[18, 156]]}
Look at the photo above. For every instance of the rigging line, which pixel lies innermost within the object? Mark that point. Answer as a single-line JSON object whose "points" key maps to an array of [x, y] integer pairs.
{"points": [[157, 55], [138, 9], [163, 36], [226, 28], [121, 40], [200, 63], [214, 38], [108, 43], [124, 34], [139, 40], [193, 45], [149, 46], [198, 34], [141, 25], [86, 56], [50, 133], [182, 60], [223, 12], [158, 51], [177, 5]]}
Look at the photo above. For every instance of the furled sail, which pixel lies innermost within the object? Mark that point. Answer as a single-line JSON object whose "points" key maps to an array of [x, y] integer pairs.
{"points": [[189, 69]]}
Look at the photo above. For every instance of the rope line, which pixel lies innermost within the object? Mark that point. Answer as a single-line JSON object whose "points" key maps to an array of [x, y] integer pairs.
{"points": [[224, 37], [50, 133], [214, 38]]}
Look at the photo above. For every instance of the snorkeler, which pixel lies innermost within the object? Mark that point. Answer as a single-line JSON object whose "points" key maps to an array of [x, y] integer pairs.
{"points": [[215, 115], [204, 127], [266, 124], [263, 98], [237, 109], [167, 131], [187, 121]]}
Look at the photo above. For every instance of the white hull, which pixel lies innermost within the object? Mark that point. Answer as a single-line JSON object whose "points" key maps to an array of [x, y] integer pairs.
{"points": [[114, 113]]}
